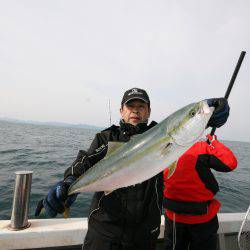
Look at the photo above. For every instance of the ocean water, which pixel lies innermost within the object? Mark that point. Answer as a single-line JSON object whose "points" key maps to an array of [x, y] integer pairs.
{"points": [[49, 150]]}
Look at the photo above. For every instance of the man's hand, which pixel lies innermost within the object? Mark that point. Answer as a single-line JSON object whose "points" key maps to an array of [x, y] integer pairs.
{"points": [[57, 199], [221, 112]]}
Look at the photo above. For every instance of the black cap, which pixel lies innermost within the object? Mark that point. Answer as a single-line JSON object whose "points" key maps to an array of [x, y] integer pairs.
{"points": [[135, 93]]}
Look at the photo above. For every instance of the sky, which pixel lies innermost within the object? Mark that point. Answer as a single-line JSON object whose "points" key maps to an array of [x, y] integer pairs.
{"points": [[64, 60]]}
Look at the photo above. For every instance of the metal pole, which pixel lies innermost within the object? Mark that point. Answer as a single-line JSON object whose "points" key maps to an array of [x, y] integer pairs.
{"points": [[19, 216]]}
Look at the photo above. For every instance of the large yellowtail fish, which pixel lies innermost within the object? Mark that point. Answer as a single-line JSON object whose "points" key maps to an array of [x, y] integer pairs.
{"points": [[146, 154]]}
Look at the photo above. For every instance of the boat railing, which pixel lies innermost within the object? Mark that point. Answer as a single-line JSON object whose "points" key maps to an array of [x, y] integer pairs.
{"points": [[21, 233]]}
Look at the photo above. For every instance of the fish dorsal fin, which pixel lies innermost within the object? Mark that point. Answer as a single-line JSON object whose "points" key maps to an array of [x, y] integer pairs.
{"points": [[171, 169], [113, 146]]}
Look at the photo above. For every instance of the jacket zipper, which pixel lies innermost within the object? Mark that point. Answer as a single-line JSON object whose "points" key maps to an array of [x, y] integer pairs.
{"points": [[96, 209]]}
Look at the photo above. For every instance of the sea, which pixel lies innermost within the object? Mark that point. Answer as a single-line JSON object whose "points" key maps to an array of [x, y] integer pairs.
{"points": [[49, 150]]}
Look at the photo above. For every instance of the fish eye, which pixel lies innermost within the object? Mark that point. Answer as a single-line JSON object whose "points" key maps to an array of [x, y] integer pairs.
{"points": [[192, 113]]}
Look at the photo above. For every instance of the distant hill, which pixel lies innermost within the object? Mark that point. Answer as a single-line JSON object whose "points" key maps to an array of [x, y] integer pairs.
{"points": [[58, 124]]}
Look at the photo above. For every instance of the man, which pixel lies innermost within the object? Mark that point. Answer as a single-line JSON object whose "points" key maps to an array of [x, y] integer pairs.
{"points": [[128, 218], [191, 221]]}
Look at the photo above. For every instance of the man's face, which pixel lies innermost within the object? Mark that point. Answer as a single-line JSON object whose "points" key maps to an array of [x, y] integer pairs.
{"points": [[135, 111]]}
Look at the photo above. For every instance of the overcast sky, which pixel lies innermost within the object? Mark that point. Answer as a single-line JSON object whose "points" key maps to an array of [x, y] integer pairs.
{"points": [[64, 60]]}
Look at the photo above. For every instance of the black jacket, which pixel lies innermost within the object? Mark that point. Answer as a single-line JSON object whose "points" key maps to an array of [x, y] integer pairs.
{"points": [[128, 214]]}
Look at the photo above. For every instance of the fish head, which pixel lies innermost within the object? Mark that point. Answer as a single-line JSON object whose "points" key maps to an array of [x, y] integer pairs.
{"points": [[189, 123]]}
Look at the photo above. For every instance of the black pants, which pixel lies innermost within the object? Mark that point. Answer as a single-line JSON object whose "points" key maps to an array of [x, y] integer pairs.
{"points": [[96, 241], [191, 236]]}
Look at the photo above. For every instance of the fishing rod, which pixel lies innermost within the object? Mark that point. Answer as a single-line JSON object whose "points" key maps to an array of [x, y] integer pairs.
{"points": [[231, 83]]}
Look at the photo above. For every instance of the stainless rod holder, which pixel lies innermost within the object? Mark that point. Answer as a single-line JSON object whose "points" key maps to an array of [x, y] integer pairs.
{"points": [[20, 209]]}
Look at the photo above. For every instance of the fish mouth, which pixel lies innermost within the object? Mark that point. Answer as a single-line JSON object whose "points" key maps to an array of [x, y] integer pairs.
{"points": [[205, 109]]}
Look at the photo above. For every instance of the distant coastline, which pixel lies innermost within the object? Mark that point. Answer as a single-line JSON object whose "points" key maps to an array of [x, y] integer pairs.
{"points": [[56, 124], [72, 125]]}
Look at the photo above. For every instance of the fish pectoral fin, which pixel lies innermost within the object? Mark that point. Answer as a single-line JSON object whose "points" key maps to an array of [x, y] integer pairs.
{"points": [[108, 192], [167, 148], [171, 169], [112, 146]]}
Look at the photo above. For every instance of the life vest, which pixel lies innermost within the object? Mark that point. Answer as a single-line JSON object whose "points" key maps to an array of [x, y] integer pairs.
{"points": [[189, 191]]}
